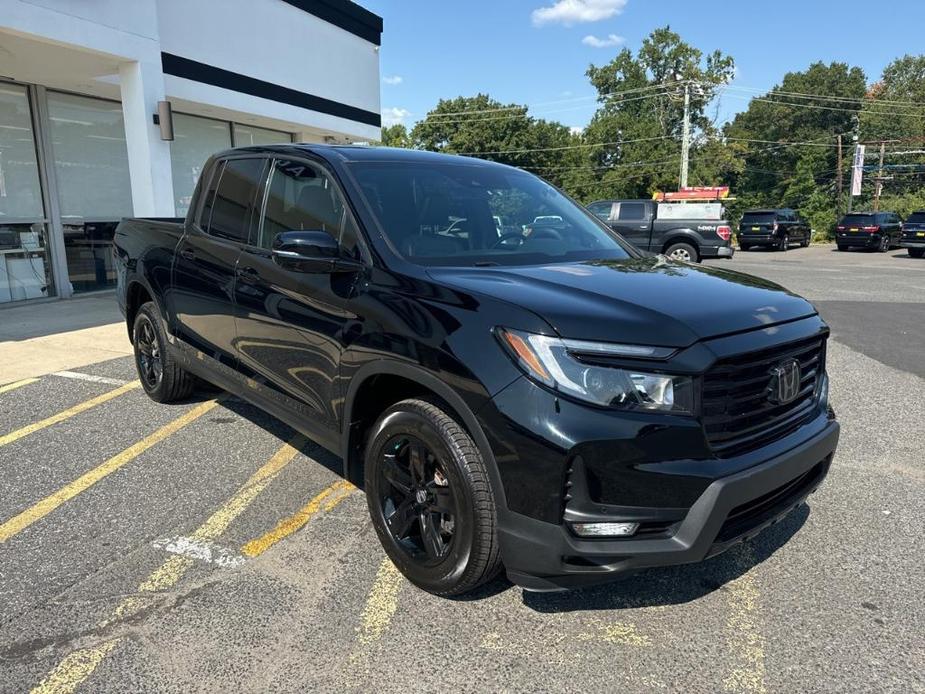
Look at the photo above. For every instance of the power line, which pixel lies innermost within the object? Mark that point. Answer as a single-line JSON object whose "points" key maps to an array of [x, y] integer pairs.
{"points": [[566, 147], [828, 108], [822, 97]]}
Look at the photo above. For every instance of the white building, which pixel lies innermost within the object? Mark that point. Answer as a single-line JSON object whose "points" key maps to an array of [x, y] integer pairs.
{"points": [[80, 82]]}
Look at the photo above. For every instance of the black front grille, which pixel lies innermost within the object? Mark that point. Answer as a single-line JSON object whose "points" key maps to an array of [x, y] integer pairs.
{"points": [[738, 416]]}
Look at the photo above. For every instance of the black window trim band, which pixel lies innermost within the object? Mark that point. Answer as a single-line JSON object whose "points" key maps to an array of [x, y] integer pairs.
{"points": [[344, 14], [186, 68]]}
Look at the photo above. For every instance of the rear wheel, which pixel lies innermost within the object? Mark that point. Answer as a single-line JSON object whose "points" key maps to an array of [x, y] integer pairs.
{"points": [[161, 377], [684, 252], [430, 500], [916, 252], [744, 247], [884, 246], [842, 247], [784, 243]]}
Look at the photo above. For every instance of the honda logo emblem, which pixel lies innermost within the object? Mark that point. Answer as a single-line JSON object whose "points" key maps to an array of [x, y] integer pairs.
{"points": [[785, 382]]}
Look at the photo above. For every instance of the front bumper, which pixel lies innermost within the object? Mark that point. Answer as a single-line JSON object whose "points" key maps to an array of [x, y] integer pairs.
{"points": [[544, 556]]}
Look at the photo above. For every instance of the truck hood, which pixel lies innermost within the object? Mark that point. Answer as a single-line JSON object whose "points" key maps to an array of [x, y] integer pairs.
{"points": [[649, 301]]}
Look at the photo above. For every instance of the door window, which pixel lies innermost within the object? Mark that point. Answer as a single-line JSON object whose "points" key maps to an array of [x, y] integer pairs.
{"points": [[234, 199], [302, 197], [632, 211]]}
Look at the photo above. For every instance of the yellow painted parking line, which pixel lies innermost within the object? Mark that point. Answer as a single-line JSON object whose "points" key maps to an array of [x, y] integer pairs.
{"points": [[744, 637], [67, 414], [326, 499], [74, 669], [79, 665], [17, 384], [381, 603], [20, 522]]}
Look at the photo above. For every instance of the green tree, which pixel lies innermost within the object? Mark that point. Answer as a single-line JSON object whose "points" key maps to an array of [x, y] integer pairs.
{"points": [[894, 111], [641, 115], [484, 127], [395, 136], [762, 132]]}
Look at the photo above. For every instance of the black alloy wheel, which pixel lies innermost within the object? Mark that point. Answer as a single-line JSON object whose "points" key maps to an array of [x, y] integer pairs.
{"points": [[784, 243], [417, 500], [430, 499], [884, 246], [148, 353], [161, 377]]}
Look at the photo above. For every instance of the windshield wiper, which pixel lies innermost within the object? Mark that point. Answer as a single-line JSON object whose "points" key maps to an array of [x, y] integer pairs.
{"points": [[485, 263]]}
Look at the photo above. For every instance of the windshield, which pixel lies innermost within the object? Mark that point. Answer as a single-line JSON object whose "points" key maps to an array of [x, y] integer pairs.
{"points": [[437, 213], [758, 218], [916, 218]]}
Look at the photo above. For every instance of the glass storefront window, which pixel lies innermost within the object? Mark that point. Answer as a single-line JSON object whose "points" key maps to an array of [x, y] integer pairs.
{"points": [[25, 271], [196, 139], [94, 189], [249, 135]]}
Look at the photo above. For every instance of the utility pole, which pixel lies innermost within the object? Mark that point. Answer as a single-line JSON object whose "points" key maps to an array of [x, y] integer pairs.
{"points": [[839, 176], [879, 187], [857, 139], [686, 137]]}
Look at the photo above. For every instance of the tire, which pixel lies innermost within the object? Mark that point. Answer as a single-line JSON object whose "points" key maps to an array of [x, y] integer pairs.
{"points": [[804, 243], [784, 244], [744, 247], [916, 252], [160, 375], [430, 499], [842, 247], [884, 246], [683, 252]]}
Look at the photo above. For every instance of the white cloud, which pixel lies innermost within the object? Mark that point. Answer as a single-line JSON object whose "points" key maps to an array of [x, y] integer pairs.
{"points": [[393, 79], [607, 42], [576, 130], [570, 12], [394, 115]]}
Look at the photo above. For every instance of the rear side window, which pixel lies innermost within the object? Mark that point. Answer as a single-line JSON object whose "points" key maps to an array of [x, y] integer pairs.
{"points": [[209, 196], [632, 211], [234, 199]]}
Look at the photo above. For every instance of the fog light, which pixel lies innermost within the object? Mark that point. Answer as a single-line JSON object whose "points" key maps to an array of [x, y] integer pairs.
{"points": [[605, 529]]}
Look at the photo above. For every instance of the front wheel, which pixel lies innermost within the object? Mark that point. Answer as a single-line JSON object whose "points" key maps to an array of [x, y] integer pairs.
{"points": [[161, 377], [430, 499], [684, 252]]}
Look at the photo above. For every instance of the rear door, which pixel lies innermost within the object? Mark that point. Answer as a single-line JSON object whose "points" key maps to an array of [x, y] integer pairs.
{"points": [[633, 221], [207, 255], [292, 324]]}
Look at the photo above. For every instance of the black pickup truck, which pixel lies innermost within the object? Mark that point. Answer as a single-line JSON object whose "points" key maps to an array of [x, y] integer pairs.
{"points": [[552, 402], [640, 223]]}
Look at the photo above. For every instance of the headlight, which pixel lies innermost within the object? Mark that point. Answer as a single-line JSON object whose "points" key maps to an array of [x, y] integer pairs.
{"points": [[567, 367]]}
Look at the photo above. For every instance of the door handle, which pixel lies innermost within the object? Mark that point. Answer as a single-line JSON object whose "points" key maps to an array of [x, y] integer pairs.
{"points": [[187, 253], [247, 274]]}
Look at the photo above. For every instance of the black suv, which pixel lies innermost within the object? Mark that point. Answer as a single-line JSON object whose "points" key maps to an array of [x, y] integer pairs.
{"points": [[531, 392], [877, 230], [913, 238], [777, 229]]}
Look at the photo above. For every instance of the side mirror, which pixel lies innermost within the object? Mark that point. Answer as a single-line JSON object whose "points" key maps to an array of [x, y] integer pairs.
{"points": [[311, 251]]}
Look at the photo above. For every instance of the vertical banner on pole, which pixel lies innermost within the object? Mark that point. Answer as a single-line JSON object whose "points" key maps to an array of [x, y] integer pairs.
{"points": [[857, 171]]}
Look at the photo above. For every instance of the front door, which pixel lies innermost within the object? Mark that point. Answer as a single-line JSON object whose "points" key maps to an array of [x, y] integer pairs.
{"points": [[202, 290], [292, 324]]}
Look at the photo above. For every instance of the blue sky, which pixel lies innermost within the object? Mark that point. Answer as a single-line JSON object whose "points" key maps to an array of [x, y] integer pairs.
{"points": [[536, 51]]}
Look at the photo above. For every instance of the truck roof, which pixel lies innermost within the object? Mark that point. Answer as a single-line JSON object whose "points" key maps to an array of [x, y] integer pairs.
{"points": [[346, 153]]}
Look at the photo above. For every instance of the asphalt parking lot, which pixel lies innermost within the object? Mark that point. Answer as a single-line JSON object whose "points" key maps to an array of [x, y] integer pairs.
{"points": [[206, 547]]}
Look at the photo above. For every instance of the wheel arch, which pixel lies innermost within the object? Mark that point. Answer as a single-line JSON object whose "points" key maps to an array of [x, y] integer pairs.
{"points": [[378, 385], [682, 236]]}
